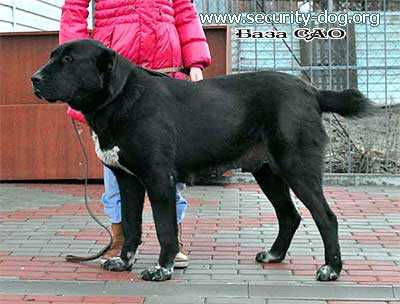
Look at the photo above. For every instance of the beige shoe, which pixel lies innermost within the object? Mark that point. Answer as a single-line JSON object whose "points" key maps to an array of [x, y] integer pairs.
{"points": [[181, 259], [116, 247]]}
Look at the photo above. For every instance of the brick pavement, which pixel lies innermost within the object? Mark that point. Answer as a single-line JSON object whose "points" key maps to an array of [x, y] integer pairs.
{"points": [[223, 230]]}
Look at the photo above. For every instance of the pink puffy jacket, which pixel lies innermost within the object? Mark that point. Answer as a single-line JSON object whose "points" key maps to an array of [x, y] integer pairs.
{"points": [[152, 33]]}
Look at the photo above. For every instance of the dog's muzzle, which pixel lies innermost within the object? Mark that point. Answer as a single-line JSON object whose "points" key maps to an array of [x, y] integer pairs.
{"points": [[36, 81]]}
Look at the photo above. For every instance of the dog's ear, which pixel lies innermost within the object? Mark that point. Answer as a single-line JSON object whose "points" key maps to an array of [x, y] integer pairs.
{"points": [[119, 70], [106, 60]]}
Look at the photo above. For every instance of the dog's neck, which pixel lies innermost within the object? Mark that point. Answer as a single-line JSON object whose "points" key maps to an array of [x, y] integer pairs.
{"points": [[102, 118], [101, 124]]}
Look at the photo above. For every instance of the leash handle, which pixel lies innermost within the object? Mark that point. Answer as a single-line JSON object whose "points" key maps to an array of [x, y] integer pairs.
{"points": [[74, 258]]}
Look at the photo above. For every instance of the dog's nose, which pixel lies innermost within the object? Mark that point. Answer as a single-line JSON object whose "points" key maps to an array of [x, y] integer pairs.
{"points": [[36, 79]]}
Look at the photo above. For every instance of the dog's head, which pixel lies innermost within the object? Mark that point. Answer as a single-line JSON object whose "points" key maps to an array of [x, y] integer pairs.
{"points": [[80, 73]]}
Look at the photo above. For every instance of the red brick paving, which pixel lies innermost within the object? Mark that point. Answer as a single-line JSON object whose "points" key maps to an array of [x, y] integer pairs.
{"points": [[14, 299], [17, 299], [345, 204], [56, 268], [73, 210]]}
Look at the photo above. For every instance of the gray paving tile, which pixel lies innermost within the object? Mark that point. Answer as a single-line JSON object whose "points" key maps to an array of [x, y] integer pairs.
{"points": [[168, 289], [283, 301], [257, 289], [396, 292], [173, 300], [211, 300]]}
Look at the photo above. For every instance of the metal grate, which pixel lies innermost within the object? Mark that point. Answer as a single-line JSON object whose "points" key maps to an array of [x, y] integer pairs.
{"points": [[368, 58]]}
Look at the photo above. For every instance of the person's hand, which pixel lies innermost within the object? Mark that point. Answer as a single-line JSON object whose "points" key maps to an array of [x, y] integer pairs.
{"points": [[196, 74], [79, 126]]}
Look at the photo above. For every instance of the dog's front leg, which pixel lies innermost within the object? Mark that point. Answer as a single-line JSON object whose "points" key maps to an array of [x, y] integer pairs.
{"points": [[161, 190], [132, 199]]}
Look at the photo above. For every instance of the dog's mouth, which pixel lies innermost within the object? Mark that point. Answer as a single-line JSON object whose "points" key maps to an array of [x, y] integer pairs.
{"points": [[51, 100], [38, 94], [41, 97], [37, 91]]}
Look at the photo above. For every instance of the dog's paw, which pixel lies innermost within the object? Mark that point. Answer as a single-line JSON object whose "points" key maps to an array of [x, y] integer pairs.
{"points": [[157, 274], [117, 264], [268, 257], [327, 273]]}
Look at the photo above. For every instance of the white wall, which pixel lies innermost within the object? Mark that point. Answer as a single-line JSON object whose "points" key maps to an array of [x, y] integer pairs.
{"points": [[30, 15]]}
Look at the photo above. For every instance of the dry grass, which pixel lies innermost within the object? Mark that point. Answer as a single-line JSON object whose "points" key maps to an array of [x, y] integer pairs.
{"points": [[368, 145]]}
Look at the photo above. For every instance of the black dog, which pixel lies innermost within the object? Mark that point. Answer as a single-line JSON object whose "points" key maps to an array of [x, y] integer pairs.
{"points": [[153, 131]]}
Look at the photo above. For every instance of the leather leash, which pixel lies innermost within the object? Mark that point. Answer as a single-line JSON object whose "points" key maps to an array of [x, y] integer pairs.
{"points": [[74, 258]]}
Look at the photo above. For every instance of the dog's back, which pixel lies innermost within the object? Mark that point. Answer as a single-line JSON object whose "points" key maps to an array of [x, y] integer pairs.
{"points": [[234, 118]]}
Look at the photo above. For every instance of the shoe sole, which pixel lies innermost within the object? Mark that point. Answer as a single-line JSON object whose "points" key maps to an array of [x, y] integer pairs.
{"points": [[180, 265]]}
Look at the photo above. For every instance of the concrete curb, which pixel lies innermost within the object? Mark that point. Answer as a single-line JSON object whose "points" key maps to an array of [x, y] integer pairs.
{"points": [[248, 290], [344, 179], [330, 179]]}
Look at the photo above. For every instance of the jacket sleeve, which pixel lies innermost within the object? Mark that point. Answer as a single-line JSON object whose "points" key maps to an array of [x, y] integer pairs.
{"points": [[73, 25], [195, 50]]}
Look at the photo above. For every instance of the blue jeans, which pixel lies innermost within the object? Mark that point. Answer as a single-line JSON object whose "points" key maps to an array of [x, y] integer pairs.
{"points": [[112, 200]]}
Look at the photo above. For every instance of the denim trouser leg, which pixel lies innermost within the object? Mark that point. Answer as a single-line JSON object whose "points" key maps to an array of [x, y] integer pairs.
{"points": [[112, 200], [181, 203]]}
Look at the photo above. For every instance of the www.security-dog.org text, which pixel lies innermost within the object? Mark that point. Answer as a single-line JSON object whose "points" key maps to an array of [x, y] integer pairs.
{"points": [[309, 25]]}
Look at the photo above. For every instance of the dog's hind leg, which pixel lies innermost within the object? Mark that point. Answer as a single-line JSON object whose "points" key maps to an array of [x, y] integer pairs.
{"points": [[305, 179], [277, 191], [162, 193], [132, 199]]}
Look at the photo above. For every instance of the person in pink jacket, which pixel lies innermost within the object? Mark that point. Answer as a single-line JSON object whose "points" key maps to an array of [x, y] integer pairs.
{"points": [[155, 34]]}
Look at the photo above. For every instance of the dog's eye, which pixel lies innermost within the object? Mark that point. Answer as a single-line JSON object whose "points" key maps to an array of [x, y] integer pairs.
{"points": [[67, 59]]}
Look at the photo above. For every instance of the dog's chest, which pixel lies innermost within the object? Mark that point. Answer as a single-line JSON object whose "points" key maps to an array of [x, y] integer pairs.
{"points": [[109, 157]]}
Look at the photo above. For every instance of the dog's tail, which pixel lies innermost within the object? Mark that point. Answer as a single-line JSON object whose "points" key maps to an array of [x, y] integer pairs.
{"points": [[347, 103]]}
